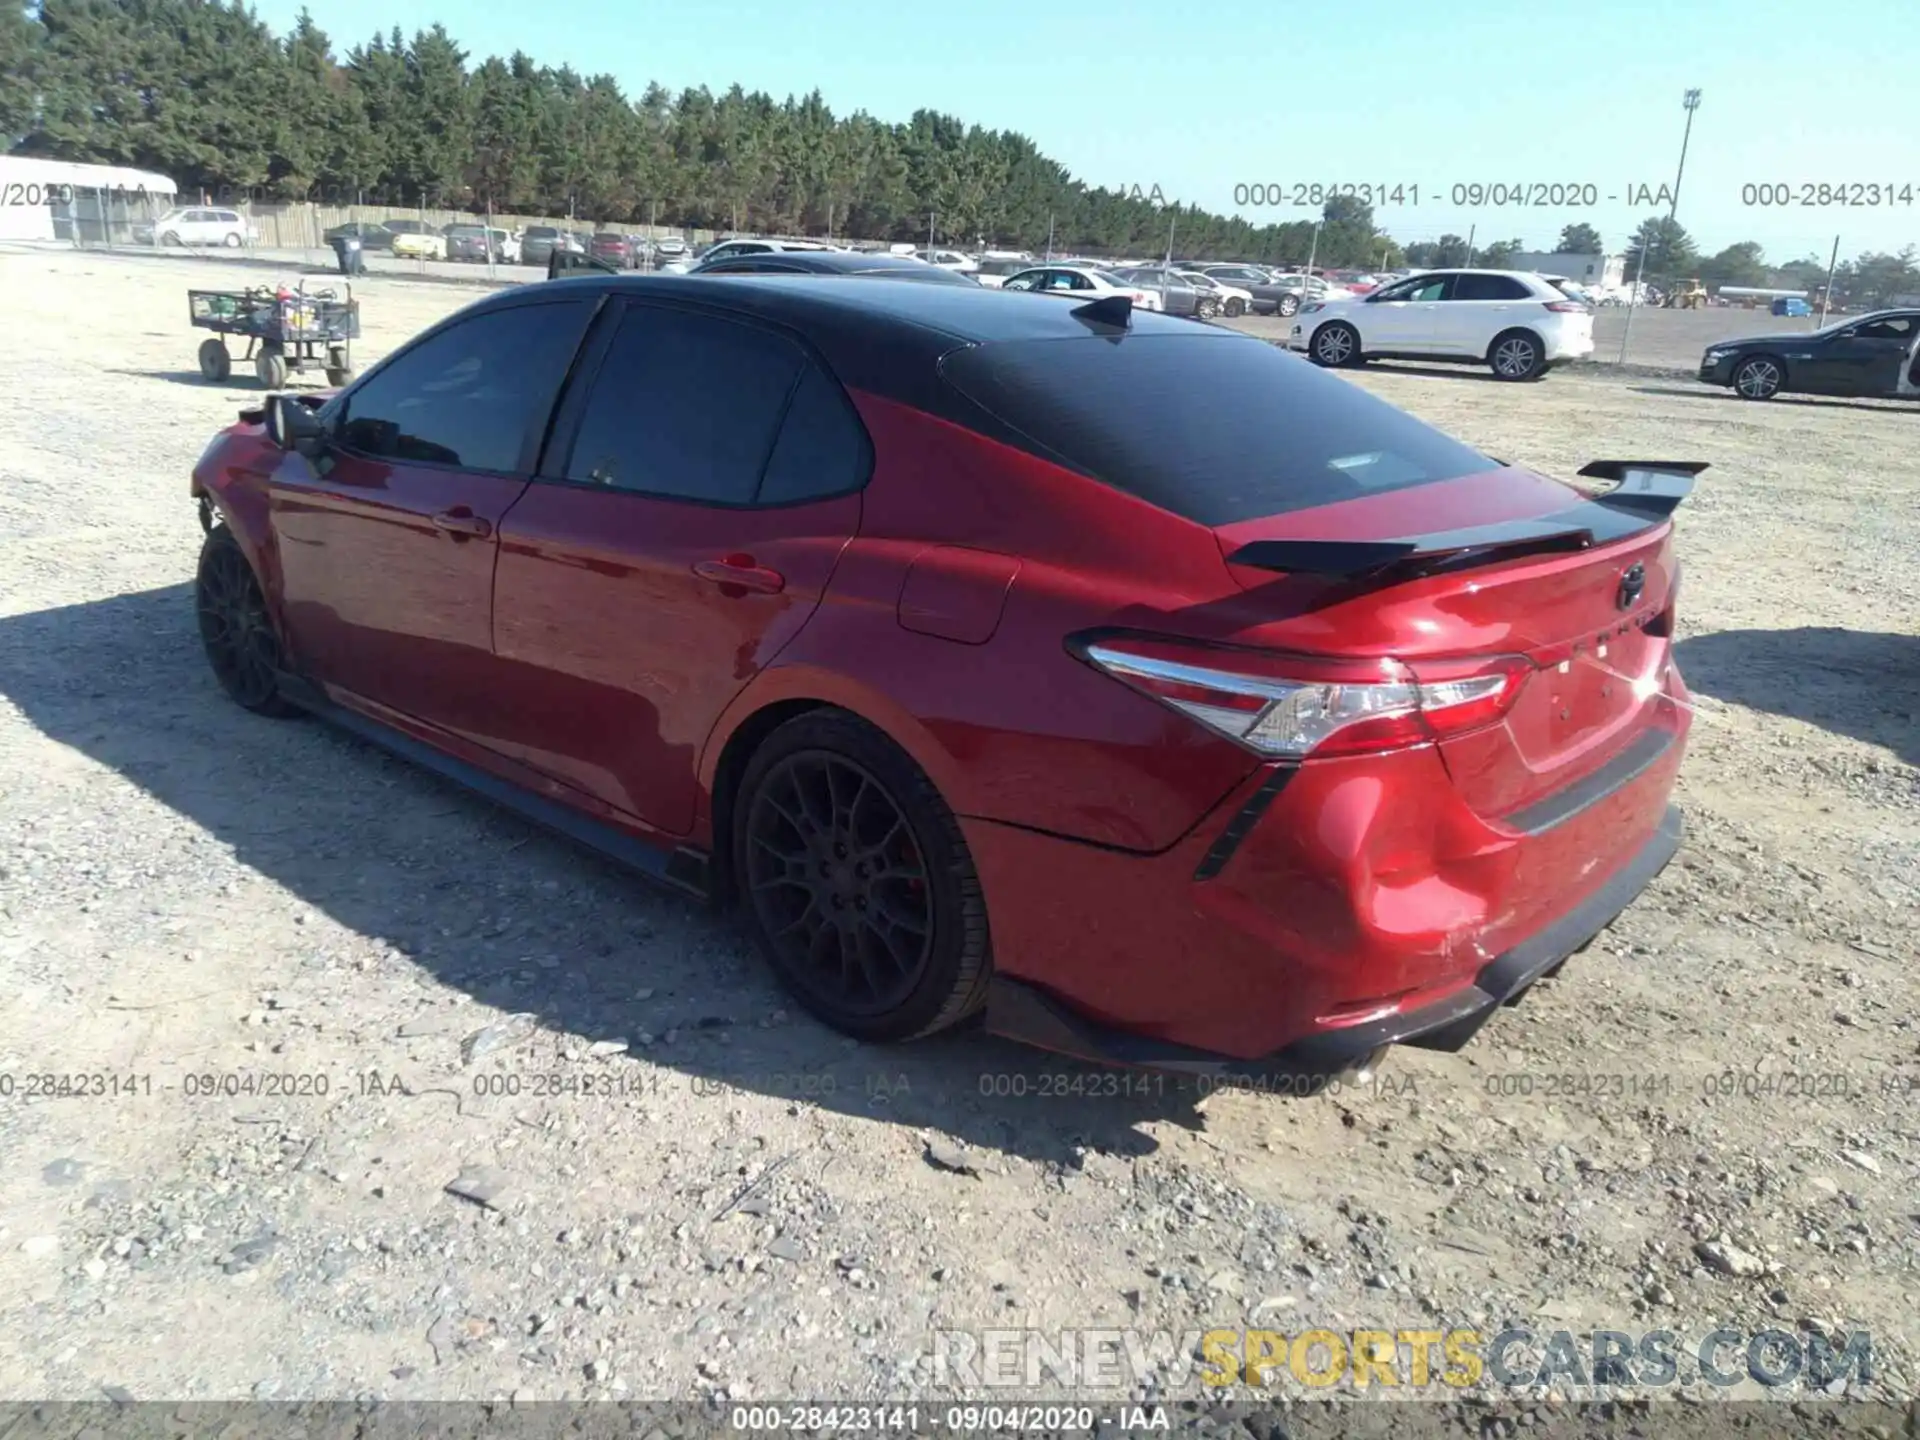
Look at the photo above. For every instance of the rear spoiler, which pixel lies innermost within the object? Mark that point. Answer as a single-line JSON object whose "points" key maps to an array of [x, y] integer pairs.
{"points": [[1647, 492]]}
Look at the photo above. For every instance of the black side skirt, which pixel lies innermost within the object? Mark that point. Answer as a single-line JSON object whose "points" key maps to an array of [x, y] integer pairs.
{"points": [[685, 869]]}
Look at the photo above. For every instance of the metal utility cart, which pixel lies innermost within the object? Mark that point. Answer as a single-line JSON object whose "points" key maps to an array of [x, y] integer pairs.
{"points": [[287, 331]]}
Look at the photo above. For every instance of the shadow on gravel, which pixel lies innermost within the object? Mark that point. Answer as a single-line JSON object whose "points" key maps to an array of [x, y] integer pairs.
{"points": [[1865, 684], [242, 379], [478, 897]]}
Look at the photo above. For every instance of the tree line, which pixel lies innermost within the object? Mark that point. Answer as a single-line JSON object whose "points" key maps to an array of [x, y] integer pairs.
{"points": [[206, 93]]}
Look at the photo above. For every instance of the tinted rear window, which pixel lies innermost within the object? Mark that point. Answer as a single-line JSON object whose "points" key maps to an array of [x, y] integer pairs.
{"points": [[1211, 428]]}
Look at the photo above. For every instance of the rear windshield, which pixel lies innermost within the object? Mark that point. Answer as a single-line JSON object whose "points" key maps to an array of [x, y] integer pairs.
{"points": [[1212, 428]]}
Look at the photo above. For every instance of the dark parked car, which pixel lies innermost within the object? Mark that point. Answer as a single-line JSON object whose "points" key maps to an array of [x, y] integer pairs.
{"points": [[470, 242], [1271, 296], [537, 242], [834, 262], [372, 236], [1132, 683], [615, 249], [1876, 354]]}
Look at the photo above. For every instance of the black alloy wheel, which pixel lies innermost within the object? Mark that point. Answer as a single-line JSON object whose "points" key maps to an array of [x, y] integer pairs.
{"points": [[235, 629], [858, 881]]}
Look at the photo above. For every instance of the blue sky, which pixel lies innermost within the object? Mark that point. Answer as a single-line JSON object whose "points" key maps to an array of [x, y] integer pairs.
{"points": [[1198, 100]]}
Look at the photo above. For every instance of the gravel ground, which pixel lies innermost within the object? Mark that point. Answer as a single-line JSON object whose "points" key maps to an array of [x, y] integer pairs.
{"points": [[738, 1203]]}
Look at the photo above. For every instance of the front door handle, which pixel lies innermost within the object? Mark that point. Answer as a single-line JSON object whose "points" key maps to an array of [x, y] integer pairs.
{"points": [[740, 573], [462, 521]]}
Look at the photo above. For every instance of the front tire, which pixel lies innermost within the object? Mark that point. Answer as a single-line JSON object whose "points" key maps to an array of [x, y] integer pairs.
{"points": [[235, 630], [270, 366], [232, 242], [1517, 355], [216, 361], [1758, 377], [1335, 345], [1236, 307], [857, 881]]}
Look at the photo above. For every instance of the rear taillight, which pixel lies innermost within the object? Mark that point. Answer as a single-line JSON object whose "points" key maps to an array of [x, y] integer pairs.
{"points": [[1567, 307], [1287, 707]]}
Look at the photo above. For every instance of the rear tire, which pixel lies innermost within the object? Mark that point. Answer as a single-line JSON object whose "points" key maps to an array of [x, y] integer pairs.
{"points": [[1517, 355], [1335, 345], [216, 361], [270, 366], [857, 881], [339, 372], [235, 630], [1758, 377], [1287, 305]]}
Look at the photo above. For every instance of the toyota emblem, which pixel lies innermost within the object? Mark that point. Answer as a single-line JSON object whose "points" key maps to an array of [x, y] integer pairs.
{"points": [[1633, 581]]}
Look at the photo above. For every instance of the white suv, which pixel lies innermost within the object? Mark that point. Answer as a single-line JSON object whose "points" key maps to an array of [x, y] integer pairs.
{"points": [[1518, 323], [199, 225]]}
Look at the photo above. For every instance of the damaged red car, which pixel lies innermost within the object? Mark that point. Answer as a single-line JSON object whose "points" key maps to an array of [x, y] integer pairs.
{"points": [[1134, 687]]}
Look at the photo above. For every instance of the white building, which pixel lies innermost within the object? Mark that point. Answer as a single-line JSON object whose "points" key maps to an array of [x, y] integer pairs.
{"points": [[1596, 272], [46, 199]]}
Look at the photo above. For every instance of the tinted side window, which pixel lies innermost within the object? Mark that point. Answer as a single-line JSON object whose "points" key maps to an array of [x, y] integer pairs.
{"points": [[685, 405], [1892, 327], [467, 395], [1488, 287], [823, 448]]}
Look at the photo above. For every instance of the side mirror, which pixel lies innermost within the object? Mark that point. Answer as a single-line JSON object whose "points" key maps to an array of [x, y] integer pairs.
{"points": [[292, 425]]}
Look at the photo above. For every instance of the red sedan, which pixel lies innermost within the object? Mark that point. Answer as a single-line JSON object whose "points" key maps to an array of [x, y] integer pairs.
{"points": [[1161, 696]]}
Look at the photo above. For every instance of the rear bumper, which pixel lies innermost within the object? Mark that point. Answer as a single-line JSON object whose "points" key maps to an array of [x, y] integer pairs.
{"points": [[1021, 1011], [1322, 909]]}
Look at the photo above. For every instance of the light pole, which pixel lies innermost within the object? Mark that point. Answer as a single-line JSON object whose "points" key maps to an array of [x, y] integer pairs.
{"points": [[1692, 103], [1691, 100]]}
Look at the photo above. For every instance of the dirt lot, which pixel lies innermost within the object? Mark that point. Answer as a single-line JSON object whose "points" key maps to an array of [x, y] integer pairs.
{"points": [[188, 891]]}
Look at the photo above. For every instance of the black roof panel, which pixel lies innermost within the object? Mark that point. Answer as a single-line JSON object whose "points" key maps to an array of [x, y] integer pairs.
{"points": [[963, 313]]}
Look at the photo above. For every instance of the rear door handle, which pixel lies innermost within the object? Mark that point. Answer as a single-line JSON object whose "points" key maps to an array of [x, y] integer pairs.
{"points": [[462, 521], [741, 573]]}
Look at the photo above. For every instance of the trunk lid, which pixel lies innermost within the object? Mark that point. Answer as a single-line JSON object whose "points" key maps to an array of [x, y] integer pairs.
{"points": [[1505, 563]]}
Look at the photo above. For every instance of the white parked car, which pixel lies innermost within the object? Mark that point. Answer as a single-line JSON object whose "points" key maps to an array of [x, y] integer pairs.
{"points": [[949, 260], [1079, 282], [1234, 300], [1516, 322], [506, 244], [203, 225], [728, 249], [417, 240]]}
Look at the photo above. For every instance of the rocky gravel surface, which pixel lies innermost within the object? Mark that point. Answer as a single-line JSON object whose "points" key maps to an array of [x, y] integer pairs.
{"points": [[361, 1087]]}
